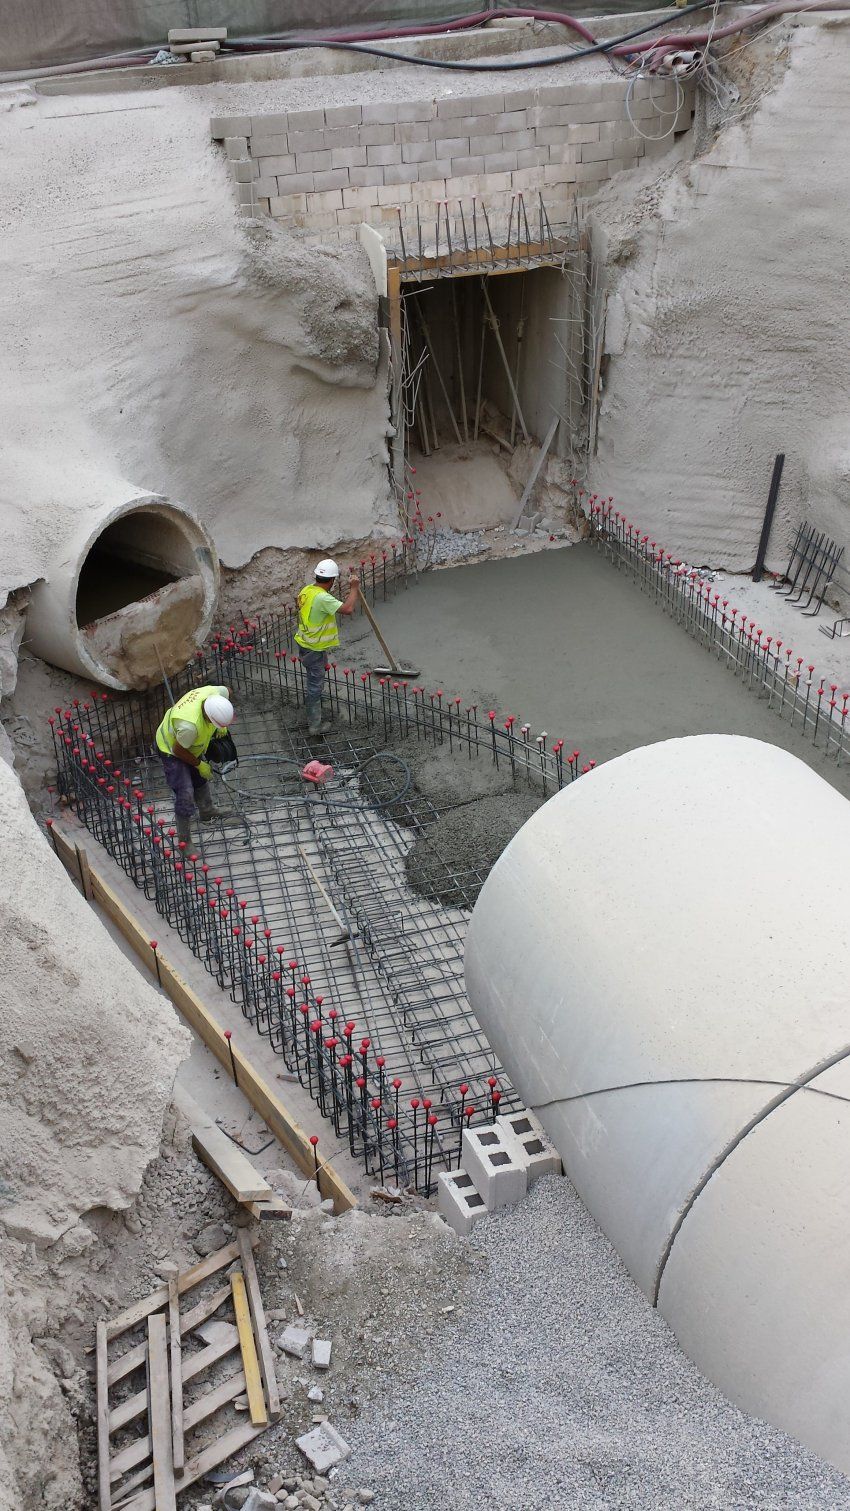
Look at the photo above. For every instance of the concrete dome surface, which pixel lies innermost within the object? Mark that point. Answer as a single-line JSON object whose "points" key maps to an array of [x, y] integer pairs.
{"points": [[661, 960]]}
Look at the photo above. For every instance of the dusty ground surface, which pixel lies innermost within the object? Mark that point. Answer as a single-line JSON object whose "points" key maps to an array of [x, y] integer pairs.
{"points": [[558, 1385]]}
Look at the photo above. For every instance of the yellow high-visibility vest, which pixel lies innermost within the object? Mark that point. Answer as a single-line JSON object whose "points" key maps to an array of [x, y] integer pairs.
{"points": [[188, 710], [315, 637]]}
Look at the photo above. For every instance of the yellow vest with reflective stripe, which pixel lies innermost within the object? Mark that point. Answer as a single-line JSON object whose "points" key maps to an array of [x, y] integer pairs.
{"points": [[190, 710], [315, 637]]}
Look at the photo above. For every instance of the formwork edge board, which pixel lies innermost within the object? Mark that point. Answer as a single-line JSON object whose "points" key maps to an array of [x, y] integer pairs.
{"points": [[284, 1127]]}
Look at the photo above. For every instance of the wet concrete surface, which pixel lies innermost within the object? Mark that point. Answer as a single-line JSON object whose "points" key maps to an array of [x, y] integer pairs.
{"points": [[564, 641]]}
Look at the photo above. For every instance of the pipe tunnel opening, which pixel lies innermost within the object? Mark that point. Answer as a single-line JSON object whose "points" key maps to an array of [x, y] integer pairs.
{"points": [[132, 559]]}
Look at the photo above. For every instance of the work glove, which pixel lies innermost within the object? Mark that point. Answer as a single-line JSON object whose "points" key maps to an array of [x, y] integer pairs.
{"points": [[205, 770]]}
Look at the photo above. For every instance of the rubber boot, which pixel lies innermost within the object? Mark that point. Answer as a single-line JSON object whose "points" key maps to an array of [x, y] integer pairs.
{"points": [[315, 724], [184, 831], [206, 807]]}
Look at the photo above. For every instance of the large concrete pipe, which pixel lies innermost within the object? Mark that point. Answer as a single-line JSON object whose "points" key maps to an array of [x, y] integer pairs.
{"points": [[661, 960], [134, 586]]}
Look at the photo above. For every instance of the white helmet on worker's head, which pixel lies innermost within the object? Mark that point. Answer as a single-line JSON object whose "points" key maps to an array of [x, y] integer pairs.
{"points": [[327, 570], [219, 710]]}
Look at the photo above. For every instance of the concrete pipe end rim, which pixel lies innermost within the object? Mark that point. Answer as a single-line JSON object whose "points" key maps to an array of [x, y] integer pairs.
{"points": [[144, 594]]}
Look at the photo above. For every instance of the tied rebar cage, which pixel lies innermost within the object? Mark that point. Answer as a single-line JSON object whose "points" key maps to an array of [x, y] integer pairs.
{"points": [[765, 664], [297, 902]]}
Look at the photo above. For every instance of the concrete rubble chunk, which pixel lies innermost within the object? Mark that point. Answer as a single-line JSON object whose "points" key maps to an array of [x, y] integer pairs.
{"points": [[217, 1332], [315, 1394], [322, 1353], [210, 1239], [260, 1500], [294, 1341], [323, 1447]]}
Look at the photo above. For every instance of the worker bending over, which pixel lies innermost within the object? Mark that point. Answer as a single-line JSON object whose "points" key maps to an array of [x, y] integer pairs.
{"points": [[183, 739], [318, 632]]}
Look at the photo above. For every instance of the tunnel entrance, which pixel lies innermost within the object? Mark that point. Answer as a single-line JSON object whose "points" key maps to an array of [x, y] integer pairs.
{"points": [[499, 358]]}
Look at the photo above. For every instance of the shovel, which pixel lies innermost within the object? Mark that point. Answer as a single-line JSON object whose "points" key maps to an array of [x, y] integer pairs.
{"points": [[392, 668]]}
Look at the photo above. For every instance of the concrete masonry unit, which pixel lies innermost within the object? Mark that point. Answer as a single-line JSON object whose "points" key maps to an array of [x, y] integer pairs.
{"points": [[663, 977]]}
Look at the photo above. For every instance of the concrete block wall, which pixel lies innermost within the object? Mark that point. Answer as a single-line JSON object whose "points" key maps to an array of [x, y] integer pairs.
{"points": [[330, 169]]}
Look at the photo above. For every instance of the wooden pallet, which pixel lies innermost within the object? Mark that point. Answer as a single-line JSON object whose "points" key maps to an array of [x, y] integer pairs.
{"points": [[160, 1452]]}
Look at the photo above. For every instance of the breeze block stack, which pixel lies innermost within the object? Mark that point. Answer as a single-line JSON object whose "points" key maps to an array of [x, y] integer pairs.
{"points": [[500, 1162]]}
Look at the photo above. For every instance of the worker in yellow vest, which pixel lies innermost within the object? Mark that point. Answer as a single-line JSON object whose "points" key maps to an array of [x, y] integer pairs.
{"points": [[318, 632], [183, 739]]}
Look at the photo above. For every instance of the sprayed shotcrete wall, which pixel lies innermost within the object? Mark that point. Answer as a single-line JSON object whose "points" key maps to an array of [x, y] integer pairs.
{"points": [[332, 168]]}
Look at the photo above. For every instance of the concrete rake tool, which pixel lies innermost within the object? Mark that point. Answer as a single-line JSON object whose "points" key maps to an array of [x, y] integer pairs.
{"points": [[392, 669]]}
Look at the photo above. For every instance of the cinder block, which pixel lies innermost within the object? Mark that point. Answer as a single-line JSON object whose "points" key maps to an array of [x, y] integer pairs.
{"points": [[563, 173], [428, 189], [485, 146], [289, 204], [348, 157], [393, 194], [590, 173], [380, 111], [513, 120], [270, 167], [552, 136], [418, 152], [269, 146], [359, 199], [465, 104], [308, 141], [270, 125], [495, 1172], [265, 187], [401, 173], [458, 1201], [452, 146], [526, 1136], [245, 172], [500, 162], [342, 136], [376, 134], [321, 1353], [245, 194], [305, 120], [527, 179], [517, 141], [471, 125], [462, 167], [381, 156], [520, 99], [295, 186], [185, 34], [312, 162], [263, 205], [440, 168], [294, 1341], [586, 133], [334, 178], [229, 125], [622, 164], [365, 178], [496, 183], [416, 110], [597, 152], [343, 115], [532, 157], [412, 131], [236, 147], [323, 203]]}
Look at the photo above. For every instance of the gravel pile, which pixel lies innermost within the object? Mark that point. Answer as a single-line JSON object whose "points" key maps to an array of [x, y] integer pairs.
{"points": [[559, 1386]]}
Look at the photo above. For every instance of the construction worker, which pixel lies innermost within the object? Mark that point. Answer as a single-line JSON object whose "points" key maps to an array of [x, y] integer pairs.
{"points": [[183, 739], [318, 632]]}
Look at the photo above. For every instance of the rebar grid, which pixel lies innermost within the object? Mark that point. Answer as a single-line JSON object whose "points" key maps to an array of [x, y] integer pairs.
{"points": [[365, 1000], [764, 663]]}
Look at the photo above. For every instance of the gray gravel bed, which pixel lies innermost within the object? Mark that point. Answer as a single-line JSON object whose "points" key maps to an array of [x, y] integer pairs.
{"points": [[559, 1386]]}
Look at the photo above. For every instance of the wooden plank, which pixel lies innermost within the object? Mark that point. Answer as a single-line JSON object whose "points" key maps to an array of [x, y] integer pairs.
{"points": [[192, 1365], [250, 1361], [85, 873], [232, 1167], [174, 1357], [159, 1414], [217, 1453], [159, 1298], [135, 1357], [273, 1210], [264, 1101], [258, 1317], [104, 1494], [205, 1406], [535, 471]]}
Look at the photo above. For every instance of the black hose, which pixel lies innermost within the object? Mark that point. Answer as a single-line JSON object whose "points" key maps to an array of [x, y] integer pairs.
{"points": [[312, 797], [466, 67]]}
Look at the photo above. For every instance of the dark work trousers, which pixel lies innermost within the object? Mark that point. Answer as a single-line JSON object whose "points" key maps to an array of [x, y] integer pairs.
{"points": [[184, 782], [314, 663]]}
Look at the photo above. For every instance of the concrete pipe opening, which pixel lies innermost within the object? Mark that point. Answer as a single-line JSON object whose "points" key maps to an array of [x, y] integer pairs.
{"points": [[128, 599]]}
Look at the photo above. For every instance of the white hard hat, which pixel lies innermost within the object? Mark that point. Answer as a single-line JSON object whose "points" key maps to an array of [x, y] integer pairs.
{"points": [[219, 710], [327, 568]]}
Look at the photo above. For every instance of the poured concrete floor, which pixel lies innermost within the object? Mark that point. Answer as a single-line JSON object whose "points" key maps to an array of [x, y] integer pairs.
{"points": [[564, 641]]}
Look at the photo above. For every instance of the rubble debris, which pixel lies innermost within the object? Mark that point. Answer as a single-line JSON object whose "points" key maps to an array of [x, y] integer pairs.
{"points": [[323, 1447], [294, 1341], [321, 1353]]}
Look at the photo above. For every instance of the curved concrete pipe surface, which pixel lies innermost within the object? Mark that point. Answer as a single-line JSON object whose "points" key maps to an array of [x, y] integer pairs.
{"points": [[660, 959], [137, 585]]}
